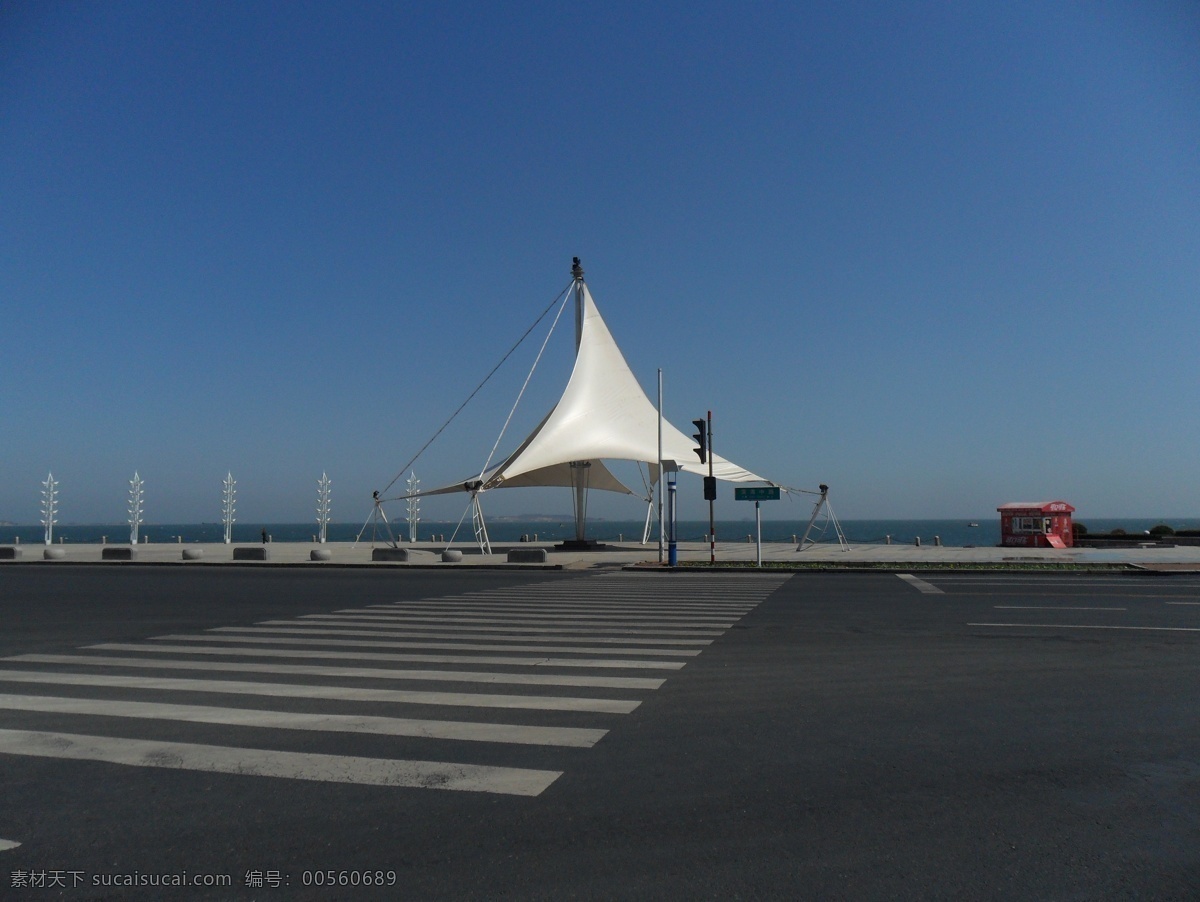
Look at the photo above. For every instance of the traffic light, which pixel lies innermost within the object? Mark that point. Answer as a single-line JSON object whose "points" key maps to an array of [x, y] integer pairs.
{"points": [[701, 438]]}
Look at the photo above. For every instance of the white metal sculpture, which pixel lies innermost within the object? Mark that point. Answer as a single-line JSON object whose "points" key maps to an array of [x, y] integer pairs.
{"points": [[414, 506], [228, 495], [135, 507], [822, 504], [49, 506], [323, 485]]}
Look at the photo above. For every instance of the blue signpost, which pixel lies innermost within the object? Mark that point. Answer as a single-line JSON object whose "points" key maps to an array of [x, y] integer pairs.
{"points": [[757, 494]]}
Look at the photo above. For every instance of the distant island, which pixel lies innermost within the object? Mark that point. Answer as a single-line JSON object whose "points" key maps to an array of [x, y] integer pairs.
{"points": [[544, 518]]}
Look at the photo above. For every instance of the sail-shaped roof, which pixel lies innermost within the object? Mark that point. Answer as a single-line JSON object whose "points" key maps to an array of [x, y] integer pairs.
{"points": [[603, 415]]}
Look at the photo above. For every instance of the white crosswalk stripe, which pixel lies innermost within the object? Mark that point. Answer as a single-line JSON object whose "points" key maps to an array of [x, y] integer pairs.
{"points": [[448, 646], [373, 673], [587, 648], [309, 630], [614, 663]]}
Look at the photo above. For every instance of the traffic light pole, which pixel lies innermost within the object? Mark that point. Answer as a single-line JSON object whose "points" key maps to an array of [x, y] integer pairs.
{"points": [[703, 449], [712, 523], [672, 545]]}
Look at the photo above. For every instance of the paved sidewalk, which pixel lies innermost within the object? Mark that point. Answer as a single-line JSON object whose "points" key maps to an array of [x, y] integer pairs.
{"points": [[622, 554]]}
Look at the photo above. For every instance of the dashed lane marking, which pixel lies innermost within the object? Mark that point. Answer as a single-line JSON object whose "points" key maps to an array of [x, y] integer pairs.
{"points": [[1051, 607], [1096, 626]]}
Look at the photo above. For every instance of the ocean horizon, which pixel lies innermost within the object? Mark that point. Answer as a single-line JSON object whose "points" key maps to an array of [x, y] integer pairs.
{"points": [[951, 532]]}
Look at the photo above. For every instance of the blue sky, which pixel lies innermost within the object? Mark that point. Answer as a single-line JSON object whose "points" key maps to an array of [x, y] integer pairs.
{"points": [[940, 256]]}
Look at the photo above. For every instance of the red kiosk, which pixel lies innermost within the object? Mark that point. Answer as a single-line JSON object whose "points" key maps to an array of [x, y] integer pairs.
{"points": [[1038, 524]]}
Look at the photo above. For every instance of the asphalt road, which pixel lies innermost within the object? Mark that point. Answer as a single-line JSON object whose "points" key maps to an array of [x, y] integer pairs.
{"points": [[598, 735]]}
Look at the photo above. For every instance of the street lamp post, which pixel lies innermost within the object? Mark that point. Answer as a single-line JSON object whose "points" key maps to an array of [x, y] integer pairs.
{"points": [[49, 506], [228, 496], [135, 507], [323, 485]]}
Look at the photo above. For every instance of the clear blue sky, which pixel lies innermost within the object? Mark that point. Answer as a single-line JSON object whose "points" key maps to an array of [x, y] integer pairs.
{"points": [[937, 255]]}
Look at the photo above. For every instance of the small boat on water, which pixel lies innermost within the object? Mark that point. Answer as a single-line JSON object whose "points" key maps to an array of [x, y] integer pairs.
{"points": [[972, 524]]}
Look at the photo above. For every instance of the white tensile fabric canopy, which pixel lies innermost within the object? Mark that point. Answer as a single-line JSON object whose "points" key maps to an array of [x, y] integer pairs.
{"points": [[603, 415]]}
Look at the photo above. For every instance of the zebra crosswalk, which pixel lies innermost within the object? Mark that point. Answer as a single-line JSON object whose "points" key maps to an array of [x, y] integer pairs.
{"points": [[545, 666]]}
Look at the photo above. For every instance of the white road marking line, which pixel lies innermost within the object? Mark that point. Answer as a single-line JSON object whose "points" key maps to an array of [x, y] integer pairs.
{"points": [[920, 585], [1051, 607], [6, 844], [287, 765], [616, 664], [441, 646], [312, 629], [336, 693], [1144, 596], [557, 631], [1067, 578], [574, 737], [467, 620], [373, 673], [1093, 626], [539, 610], [723, 604], [1183, 602]]}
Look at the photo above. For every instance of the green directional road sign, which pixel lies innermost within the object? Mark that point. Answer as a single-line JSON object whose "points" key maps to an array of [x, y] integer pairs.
{"points": [[768, 493]]}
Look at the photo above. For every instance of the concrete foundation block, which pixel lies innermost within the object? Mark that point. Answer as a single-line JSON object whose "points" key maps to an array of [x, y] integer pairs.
{"points": [[54, 554], [117, 553], [527, 555], [320, 554], [452, 556], [193, 554], [9, 553], [389, 554], [252, 553]]}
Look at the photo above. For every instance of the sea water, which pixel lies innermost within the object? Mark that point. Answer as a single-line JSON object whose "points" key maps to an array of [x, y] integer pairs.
{"points": [[951, 532]]}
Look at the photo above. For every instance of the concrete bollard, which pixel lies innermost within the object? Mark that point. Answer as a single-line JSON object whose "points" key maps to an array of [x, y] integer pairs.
{"points": [[887, 540], [452, 556], [252, 553], [389, 554], [193, 554], [320, 554], [937, 540], [918, 541], [54, 554], [526, 555]]}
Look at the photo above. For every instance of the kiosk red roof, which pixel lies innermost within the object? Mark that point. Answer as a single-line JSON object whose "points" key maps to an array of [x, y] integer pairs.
{"points": [[1041, 507]]}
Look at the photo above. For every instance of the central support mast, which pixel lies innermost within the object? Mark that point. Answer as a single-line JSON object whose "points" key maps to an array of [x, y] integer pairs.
{"points": [[577, 275], [580, 469]]}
